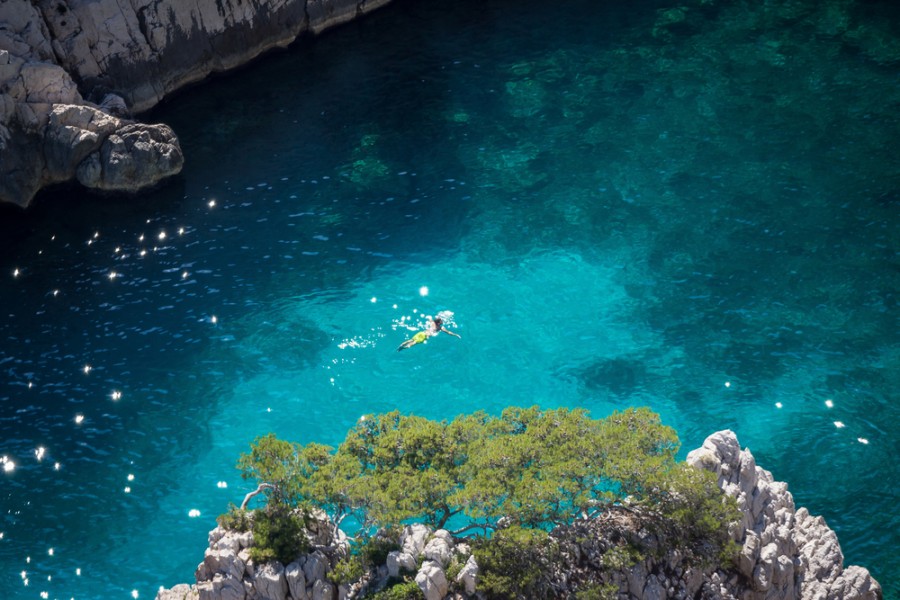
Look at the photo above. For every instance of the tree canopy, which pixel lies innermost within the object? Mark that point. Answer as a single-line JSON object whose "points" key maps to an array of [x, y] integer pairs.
{"points": [[528, 466]]}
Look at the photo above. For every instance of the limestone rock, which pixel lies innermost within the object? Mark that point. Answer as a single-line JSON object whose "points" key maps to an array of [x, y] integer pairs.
{"points": [[222, 587], [413, 538], [296, 581], [181, 591], [133, 158], [468, 576], [322, 590], [315, 567], [439, 548], [785, 552], [432, 580], [143, 50], [270, 583]]}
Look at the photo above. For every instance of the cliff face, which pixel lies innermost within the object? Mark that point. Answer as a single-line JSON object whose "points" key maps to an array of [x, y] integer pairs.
{"points": [[786, 554], [73, 71]]}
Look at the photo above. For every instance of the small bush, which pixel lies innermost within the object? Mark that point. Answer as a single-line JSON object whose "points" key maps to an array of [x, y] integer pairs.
{"points": [[347, 570], [514, 563], [596, 591], [278, 534], [620, 558], [407, 590], [375, 550], [235, 519]]}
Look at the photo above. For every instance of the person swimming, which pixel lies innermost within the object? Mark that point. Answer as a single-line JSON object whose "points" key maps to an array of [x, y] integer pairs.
{"points": [[433, 328]]}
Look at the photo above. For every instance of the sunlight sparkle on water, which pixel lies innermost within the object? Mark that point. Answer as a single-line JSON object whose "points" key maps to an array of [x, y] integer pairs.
{"points": [[423, 291], [162, 235], [130, 477], [373, 300], [134, 593], [193, 513], [116, 395], [87, 369], [829, 404], [39, 453], [79, 419], [127, 489], [727, 384], [839, 424], [8, 465], [862, 440], [778, 405]]}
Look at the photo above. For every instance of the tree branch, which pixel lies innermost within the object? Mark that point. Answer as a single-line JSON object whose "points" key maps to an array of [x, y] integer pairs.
{"points": [[483, 526], [256, 492]]}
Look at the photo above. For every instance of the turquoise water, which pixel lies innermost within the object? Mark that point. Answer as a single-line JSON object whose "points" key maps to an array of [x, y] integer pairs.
{"points": [[693, 208]]}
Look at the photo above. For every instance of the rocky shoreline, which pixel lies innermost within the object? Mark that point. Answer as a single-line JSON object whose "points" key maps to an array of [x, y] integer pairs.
{"points": [[72, 72], [785, 554]]}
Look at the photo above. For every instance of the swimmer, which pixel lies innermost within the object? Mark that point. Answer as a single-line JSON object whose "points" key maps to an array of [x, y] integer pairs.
{"points": [[435, 327]]}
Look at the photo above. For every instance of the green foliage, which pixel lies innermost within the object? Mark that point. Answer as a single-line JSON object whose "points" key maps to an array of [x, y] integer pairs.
{"points": [[347, 570], [514, 563], [619, 558], [406, 590], [374, 550], [531, 467], [279, 533], [596, 591], [697, 514], [235, 519]]}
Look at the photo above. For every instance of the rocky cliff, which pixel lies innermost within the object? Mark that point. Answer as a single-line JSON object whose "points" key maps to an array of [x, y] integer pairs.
{"points": [[73, 71], [785, 554]]}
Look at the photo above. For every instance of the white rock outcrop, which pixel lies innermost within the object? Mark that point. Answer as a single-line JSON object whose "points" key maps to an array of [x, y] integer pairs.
{"points": [[786, 554]]}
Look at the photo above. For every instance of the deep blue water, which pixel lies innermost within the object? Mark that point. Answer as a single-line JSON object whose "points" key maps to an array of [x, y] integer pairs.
{"points": [[694, 208]]}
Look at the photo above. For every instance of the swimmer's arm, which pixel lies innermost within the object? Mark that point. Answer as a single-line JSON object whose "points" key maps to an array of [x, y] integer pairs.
{"points": [[453, 333]]}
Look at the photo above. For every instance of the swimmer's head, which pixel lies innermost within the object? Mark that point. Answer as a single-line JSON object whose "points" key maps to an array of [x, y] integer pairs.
{"points": [[438, 321]]}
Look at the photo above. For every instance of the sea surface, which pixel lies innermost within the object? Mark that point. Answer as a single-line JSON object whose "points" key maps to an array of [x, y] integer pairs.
{"points": [[693, 207]]}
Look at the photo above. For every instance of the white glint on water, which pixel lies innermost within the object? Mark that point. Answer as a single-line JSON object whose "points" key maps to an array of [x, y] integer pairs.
{"points": [[829, 404], [839, 424], [423, 291]]}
